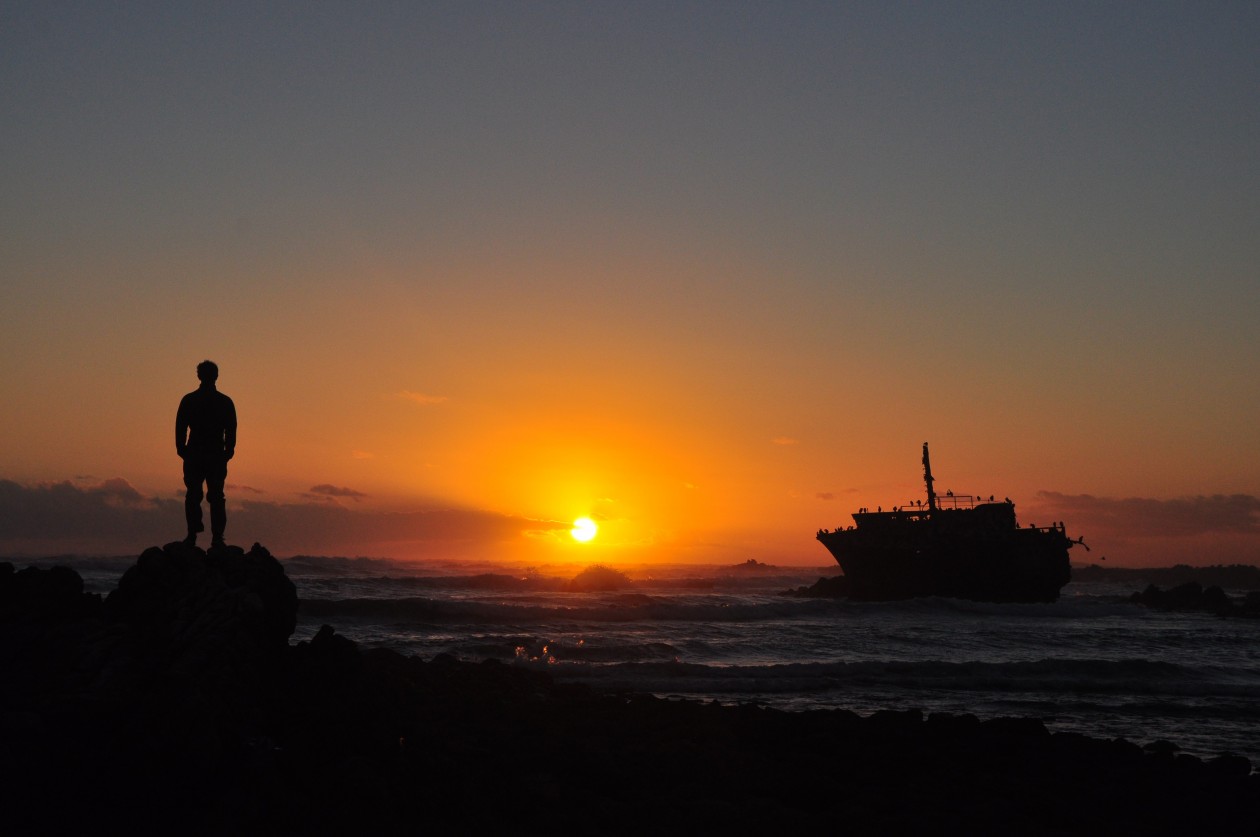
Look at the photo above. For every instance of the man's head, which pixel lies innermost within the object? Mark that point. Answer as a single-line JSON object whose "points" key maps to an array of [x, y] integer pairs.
{"points": [[207, 372]]}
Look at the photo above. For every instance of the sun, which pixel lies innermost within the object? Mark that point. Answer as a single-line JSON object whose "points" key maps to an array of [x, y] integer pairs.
{"points": [[583, 529]]}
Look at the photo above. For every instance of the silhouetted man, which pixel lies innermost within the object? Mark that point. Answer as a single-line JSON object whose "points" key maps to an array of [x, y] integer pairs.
{"points": [[205, 438]]}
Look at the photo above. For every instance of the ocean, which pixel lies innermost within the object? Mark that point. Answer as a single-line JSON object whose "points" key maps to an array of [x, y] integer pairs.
{"points": [[1092, 662]]}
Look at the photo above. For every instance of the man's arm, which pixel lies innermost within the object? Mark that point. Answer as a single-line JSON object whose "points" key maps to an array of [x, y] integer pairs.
{"points": [[181, 427], [229, 429]]}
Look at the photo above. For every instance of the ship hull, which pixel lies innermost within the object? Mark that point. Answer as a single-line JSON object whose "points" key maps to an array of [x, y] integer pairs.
{"points": [[1022, 565]]}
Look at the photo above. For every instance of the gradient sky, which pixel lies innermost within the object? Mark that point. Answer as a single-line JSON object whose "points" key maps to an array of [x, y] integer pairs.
{"points": [[708, 272]]}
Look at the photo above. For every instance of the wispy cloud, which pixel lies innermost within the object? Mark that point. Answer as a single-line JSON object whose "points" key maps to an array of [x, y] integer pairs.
{"points": [[421, 398], [1233, 514], [326, 490], [784, 440], [362, 454], [114, 518]]}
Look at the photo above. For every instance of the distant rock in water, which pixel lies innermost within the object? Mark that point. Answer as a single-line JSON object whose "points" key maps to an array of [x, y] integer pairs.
{"points": [[1192, 596], [1229, 576], [836, 587], [597, 577], [752, 566]]}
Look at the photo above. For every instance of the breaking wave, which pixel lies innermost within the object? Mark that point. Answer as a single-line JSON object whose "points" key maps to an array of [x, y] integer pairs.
{"points": [[1050, 676], [613, 608]]}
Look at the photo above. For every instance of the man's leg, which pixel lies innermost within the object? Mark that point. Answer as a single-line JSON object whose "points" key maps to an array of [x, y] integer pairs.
{"points": [[216, 476], [193, 478]]}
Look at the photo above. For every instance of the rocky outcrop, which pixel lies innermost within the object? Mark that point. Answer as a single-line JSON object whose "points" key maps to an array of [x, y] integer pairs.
{"points": [[185, 597], [153, 687], [178, 707]]}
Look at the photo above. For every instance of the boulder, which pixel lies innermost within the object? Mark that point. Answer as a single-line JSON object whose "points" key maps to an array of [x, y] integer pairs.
{"points": [[38, 593], [836, 587], [189, 596]]}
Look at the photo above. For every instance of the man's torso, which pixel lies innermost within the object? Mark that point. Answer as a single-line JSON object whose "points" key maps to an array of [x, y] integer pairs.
{"points": [[209, 415]]}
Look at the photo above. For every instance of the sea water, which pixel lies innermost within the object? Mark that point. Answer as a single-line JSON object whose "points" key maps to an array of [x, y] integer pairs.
{"points": [[1092, 662]]}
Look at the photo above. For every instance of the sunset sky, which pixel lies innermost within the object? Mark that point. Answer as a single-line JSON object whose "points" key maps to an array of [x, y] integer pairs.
{"points": [[708, 273]]}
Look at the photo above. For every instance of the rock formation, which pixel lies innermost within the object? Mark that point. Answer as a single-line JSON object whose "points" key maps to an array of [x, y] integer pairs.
{"points": [[177, 706], [1192, 596]]}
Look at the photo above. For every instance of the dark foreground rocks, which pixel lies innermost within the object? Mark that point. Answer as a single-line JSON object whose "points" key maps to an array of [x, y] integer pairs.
{"points": [[178, 707]]}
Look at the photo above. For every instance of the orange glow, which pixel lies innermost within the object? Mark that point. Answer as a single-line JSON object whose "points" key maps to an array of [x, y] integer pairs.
{"points": [[584, 529], [676, 462]]}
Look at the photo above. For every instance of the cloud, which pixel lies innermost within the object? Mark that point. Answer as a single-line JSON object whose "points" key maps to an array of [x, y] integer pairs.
{"points": [[113, 518], [362, 454], [63, 512], [421, 398], [784, 440], [1134, 517], [320, 527], [118, 492], [326, 490], [834, 495]]}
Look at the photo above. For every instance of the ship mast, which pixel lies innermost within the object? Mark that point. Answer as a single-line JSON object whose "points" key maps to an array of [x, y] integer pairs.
{"points": [[927, 477]]}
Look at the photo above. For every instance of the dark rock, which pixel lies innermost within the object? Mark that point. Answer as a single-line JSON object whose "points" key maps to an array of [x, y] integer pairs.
{"points": [[1230, 764], [1191, 596], [836, 587], [1162, 747], [333, 655], [903, 722], [52, 593], [180, 703], [952, 727], [182, 590], [1015, 728], [1215, 600], [1126, 750], [1234, 576]]}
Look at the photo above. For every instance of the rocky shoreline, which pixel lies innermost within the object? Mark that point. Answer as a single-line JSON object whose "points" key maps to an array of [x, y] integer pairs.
{"points": [[178, 705]]}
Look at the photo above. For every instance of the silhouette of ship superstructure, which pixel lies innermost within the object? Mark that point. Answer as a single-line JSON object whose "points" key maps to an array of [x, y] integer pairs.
{"points": [[957, 546]]}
